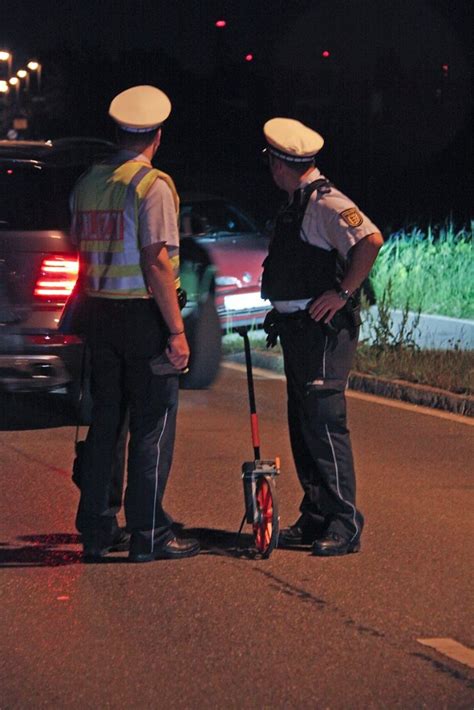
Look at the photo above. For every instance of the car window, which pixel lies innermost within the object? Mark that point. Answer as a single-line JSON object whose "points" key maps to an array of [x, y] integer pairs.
{"points": [[34, 196], [212, 218]]}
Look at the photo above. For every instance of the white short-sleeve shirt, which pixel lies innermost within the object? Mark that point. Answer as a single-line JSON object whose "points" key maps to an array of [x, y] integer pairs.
{"points": [[331, 221], [157, 217]]}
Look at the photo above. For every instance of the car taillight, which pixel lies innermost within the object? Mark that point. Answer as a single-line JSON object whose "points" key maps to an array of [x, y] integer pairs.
{"points": [[58, 275], [53, 340]]}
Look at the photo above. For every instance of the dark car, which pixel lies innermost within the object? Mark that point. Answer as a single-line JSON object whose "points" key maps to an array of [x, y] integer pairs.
{"points": [[39, 266]]}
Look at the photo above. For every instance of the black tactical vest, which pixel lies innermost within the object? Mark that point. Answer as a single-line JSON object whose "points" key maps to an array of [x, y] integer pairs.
{"points": [[294, 269]]}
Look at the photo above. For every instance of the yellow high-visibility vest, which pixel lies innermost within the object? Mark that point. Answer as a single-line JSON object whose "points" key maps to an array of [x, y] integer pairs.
{"points": [[105, 226]]}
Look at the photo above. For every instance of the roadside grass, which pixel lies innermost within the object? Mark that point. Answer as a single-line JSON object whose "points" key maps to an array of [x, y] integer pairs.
{"points": [[429, 271], [451, 370]]}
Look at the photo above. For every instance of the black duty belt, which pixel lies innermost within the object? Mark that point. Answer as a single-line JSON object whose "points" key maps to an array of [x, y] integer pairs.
{"points": [[347, 317]]}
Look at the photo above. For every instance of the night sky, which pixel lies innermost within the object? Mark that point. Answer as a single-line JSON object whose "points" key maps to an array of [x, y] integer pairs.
{"points": [[185, 29], [390, 115]]}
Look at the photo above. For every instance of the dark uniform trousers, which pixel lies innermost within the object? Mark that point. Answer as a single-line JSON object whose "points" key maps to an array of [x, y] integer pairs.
{"points": [[317, 365], [122, 336]]}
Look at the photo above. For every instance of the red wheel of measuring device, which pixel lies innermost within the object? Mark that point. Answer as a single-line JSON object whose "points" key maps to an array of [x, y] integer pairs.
{"points": [[266, 527]]}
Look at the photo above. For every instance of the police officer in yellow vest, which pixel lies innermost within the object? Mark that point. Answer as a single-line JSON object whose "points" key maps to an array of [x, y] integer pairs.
{"points": [[125, 225], [322, 249]]}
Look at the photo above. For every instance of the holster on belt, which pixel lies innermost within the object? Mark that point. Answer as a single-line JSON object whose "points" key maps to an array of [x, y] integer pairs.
{"points": [[348, 317], [274, 322], [270, 326]]}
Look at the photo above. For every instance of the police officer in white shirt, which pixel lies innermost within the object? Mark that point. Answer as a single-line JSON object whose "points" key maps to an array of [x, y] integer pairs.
{"points": [[322, 249]]}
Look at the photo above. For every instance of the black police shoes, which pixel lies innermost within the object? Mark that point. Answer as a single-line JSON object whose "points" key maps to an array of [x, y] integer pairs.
{"points": [[301, 533], [174, 549], [294, 536], [98, 544], [334, 544]]}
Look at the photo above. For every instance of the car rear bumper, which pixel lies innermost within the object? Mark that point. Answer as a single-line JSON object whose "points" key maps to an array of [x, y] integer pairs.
{"points": [[27, 373]]}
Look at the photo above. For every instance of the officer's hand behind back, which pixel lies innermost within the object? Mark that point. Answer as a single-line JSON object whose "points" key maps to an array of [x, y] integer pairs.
{"points": [[177, 350]]}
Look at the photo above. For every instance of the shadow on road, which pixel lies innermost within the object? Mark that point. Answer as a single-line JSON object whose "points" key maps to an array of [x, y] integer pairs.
{"points": [[50, 550], [34, 411], [223, 542], [40, 551]]}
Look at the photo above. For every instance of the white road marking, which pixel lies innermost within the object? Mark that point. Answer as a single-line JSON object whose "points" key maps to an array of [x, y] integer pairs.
{"points": [[375, 399], [451, 648]]}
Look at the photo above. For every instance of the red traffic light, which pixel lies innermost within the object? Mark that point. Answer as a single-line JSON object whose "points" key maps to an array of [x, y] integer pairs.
{"points": [[220, 23], [249, 57], [326, 54]]}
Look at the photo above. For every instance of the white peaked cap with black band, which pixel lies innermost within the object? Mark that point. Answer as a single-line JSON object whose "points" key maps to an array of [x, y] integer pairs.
{"points": [[140, 109], [291, 140]]}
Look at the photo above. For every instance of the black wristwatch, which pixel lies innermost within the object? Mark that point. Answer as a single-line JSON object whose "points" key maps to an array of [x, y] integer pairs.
{"points": [[343, 293]]}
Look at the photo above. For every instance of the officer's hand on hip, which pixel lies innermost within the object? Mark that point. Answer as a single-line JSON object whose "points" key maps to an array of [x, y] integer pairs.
{"points": [[178, 350], [325, 306]]}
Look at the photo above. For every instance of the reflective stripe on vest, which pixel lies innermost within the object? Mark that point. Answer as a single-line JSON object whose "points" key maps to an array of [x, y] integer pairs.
{"points": [[105, 224]]}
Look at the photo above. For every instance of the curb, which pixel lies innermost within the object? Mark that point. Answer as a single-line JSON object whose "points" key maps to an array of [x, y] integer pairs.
{"points": [[392, 389]]}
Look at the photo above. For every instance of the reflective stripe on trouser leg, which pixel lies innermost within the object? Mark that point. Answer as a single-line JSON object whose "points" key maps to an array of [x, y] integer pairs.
{"points": [[150, 458], [158, 453], [336, 470]]}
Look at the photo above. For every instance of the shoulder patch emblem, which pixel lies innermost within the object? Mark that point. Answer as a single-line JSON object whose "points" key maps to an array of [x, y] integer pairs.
{"points": [[352, 217]]}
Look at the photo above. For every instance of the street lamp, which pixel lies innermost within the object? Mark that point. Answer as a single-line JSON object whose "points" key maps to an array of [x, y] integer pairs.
{"points": [[35, 66], [4, 88], [7, 57], [14, 81], [23, 74]]}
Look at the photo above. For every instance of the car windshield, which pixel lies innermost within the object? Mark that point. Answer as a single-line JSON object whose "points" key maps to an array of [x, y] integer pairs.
{"points": [[34, 196], [213, 218]]}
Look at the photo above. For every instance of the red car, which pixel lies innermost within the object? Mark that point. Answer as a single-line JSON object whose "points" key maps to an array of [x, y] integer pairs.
{"points": [[237, 250]]}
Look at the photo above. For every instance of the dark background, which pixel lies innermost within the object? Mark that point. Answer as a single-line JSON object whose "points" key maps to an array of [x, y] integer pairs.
{"points": [[393, 99]]}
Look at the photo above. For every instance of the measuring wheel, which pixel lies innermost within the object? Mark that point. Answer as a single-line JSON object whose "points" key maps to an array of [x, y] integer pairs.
{"points": [[266, 523], [258, 477]]}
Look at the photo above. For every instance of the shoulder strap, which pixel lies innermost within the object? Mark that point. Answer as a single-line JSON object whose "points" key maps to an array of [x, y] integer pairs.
{"points": [[322, 185]]}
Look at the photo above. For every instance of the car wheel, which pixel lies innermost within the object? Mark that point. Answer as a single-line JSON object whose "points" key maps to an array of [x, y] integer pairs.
{"points": [[203, 332]]}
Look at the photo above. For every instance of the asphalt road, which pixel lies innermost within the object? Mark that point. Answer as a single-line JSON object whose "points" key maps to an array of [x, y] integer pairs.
{"points": [[224, 629]]}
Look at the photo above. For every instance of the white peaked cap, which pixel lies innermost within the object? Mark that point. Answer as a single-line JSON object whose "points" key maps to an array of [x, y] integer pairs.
{"points": [[291, 140], [140, 109]]}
